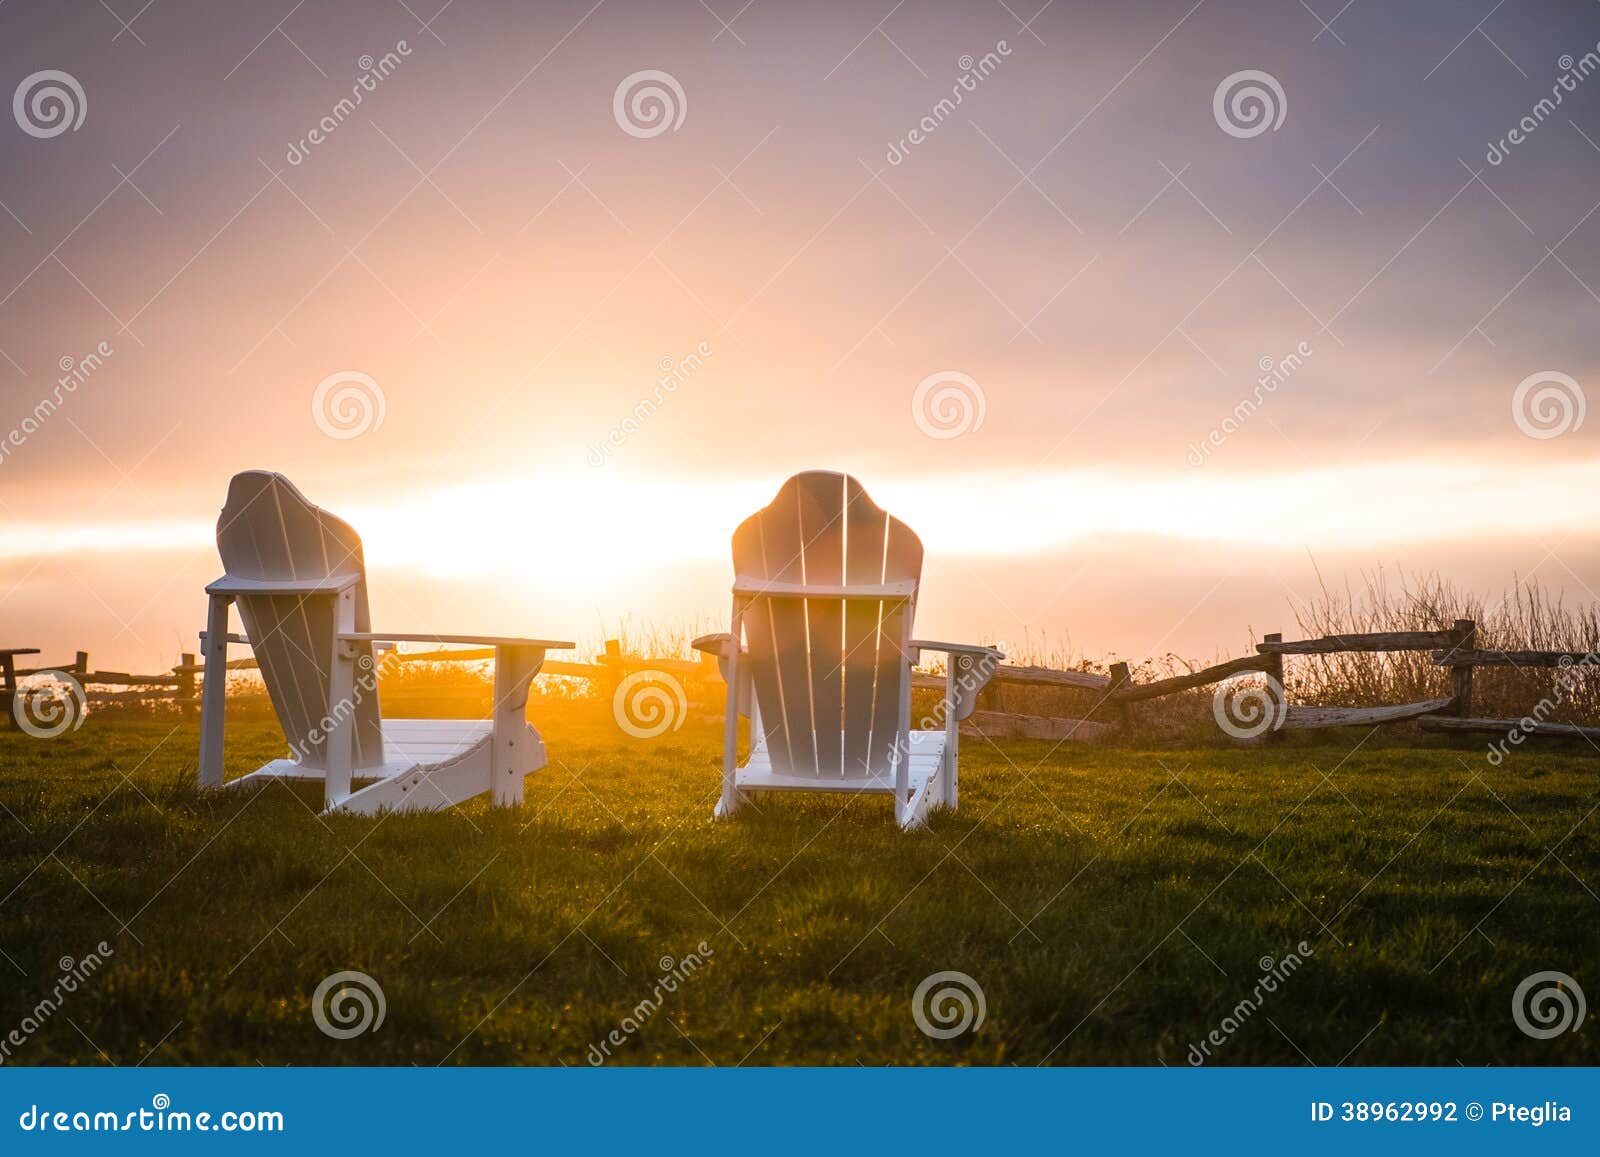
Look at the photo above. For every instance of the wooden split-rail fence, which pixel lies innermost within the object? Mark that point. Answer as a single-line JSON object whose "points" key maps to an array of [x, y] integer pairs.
{"points": [[1116, 694], [1454, 649], [181, 685]]}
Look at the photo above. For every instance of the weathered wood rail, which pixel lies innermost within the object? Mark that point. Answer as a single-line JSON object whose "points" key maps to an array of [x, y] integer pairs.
{"points": [[995, 718], [1515, 658], [1134, 693], [1378, 641], [1310, 718], [1537, 727], [1454, 649]]}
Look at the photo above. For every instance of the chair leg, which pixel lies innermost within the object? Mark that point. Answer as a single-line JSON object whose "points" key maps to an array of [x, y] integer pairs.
{"points": [[214, 692], [732, 799], [341, 713], [948, 773], [514, 748], [902, 752]]}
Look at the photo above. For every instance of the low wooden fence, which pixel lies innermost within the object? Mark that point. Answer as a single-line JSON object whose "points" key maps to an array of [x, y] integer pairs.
{"points": [[997, 716], [1455, 650], [1447, 647], [181, 685]]}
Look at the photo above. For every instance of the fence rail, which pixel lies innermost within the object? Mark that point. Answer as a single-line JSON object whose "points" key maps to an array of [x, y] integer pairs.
{"points": [[1377, 641], [1502, 726], [1311, 718], [1134, 693], [1513, 658]]}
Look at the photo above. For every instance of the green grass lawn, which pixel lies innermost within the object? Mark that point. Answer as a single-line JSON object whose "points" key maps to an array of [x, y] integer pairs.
{"points": [[1113, 906]]}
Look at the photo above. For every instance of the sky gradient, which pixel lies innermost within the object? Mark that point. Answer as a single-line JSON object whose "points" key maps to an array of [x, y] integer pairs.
{"points": [[1079, 248]]}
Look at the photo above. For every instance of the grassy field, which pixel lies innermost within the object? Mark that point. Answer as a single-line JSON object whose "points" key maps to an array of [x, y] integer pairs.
{"points": [[1114, 907]]}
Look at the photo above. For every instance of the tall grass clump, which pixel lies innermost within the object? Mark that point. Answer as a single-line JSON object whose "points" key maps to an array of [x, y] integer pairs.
{"points": [[1526, 617]]}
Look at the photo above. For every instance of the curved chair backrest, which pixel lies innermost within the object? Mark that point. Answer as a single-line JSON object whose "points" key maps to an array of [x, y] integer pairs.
{"points": [[830, 673], [268, 530]]}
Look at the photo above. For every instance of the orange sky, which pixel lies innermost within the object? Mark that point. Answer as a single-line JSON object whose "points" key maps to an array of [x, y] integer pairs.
{"points": [[1080, 250]]}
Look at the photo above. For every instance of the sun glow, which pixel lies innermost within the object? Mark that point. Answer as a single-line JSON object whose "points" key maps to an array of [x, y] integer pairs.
{"points": [[606, 532], [600, 531]]}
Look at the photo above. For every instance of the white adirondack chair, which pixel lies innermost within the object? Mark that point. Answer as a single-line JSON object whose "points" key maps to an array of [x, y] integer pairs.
{"points": [[297, 576], [825, 587]]}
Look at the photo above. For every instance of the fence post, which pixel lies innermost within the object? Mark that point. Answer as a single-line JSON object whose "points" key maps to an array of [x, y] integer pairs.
{"points": [[8, 686], [1120, 678], [187, 698], [80, 663], [1466, 639], [611, 680], [1272, 667]]}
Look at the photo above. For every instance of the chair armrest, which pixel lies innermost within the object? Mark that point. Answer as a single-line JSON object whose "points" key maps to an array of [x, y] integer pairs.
{"points": [[326, 585], [976, 651], [958, 648], [719, 644], [468, 640], [244, 641], [969, 670], [232, 636], [746, 587]]}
